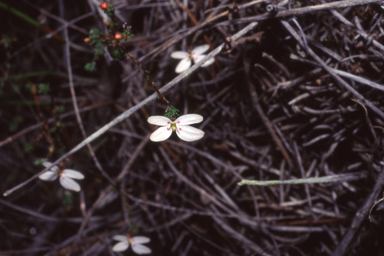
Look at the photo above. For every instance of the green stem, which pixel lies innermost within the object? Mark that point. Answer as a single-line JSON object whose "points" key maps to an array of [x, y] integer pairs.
{"points": [[33, 74], [29, 20], [149, 78], [20, 15], [326, 179]]}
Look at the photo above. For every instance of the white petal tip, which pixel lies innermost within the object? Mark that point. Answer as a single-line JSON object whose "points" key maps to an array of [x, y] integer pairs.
{"points": [[179, 55], [183, 65], [161, 134], [159, 120], [119, 247], [189, 133], [69, 184], [200, 49], [48, 176], [141, 249], [73, 174]]}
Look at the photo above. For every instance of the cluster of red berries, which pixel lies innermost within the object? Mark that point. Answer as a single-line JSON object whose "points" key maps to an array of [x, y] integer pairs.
{"points": [[118, 36], [104, 6]]}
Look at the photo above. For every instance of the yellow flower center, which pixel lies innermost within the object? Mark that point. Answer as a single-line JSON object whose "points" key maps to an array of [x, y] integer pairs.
{"points": [[173, 126]]}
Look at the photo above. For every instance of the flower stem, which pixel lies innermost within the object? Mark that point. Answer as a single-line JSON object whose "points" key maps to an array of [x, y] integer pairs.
{"points": [[149, 78], [112, 39]]}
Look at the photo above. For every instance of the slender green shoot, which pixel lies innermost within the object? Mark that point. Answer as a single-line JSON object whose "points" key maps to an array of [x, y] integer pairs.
{"points": [[326, 179]]}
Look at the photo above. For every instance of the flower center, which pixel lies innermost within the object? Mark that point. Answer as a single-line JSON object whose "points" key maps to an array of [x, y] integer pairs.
{"points": [[173, 126]]}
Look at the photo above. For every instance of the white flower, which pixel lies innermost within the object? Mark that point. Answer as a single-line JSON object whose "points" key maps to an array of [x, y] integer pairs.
{"points": [[186, 58], [136, 243], [66, 176], [180, 125]]}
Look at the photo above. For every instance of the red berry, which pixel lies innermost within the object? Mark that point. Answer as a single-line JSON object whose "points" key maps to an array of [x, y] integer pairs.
{"points": [[104, 6], [106, 23], [118, 36], [86, 40]]}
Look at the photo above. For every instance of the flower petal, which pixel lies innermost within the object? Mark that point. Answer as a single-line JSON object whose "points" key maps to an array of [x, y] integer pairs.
{"points": [[54, 168], [120, 238], [69, 184], [200, 49], [205, 64], [48, 175], [180, 55], [141, 249], [119, 247], [189, 119], [159, 120], [73, 174], [208, 62], [189, 133], [140, 240], [161, 134], [183, 65]]}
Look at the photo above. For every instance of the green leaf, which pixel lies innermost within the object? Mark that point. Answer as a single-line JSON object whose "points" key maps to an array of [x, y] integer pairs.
{"points": [[127, 34], [110, 11], [116, 54], [172, 112], [6, 41], [90, 66], [39, 161], [43, 88], [61, 109], [28, 148], [15, 123], [67, 198]]}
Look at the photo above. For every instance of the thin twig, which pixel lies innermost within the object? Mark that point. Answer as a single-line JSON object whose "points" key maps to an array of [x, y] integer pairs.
{"points": [[76, 108], [300, 11], [333, 74], [360, 216], [326, 179]]}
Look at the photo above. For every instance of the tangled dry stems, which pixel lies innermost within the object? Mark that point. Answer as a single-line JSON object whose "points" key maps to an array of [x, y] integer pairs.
{"points": [[276, 103]]}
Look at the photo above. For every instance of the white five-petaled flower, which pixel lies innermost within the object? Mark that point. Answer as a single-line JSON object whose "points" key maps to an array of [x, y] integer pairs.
{"points": [[186, 58], [66, 176], [136, 242], [180, 125]]}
